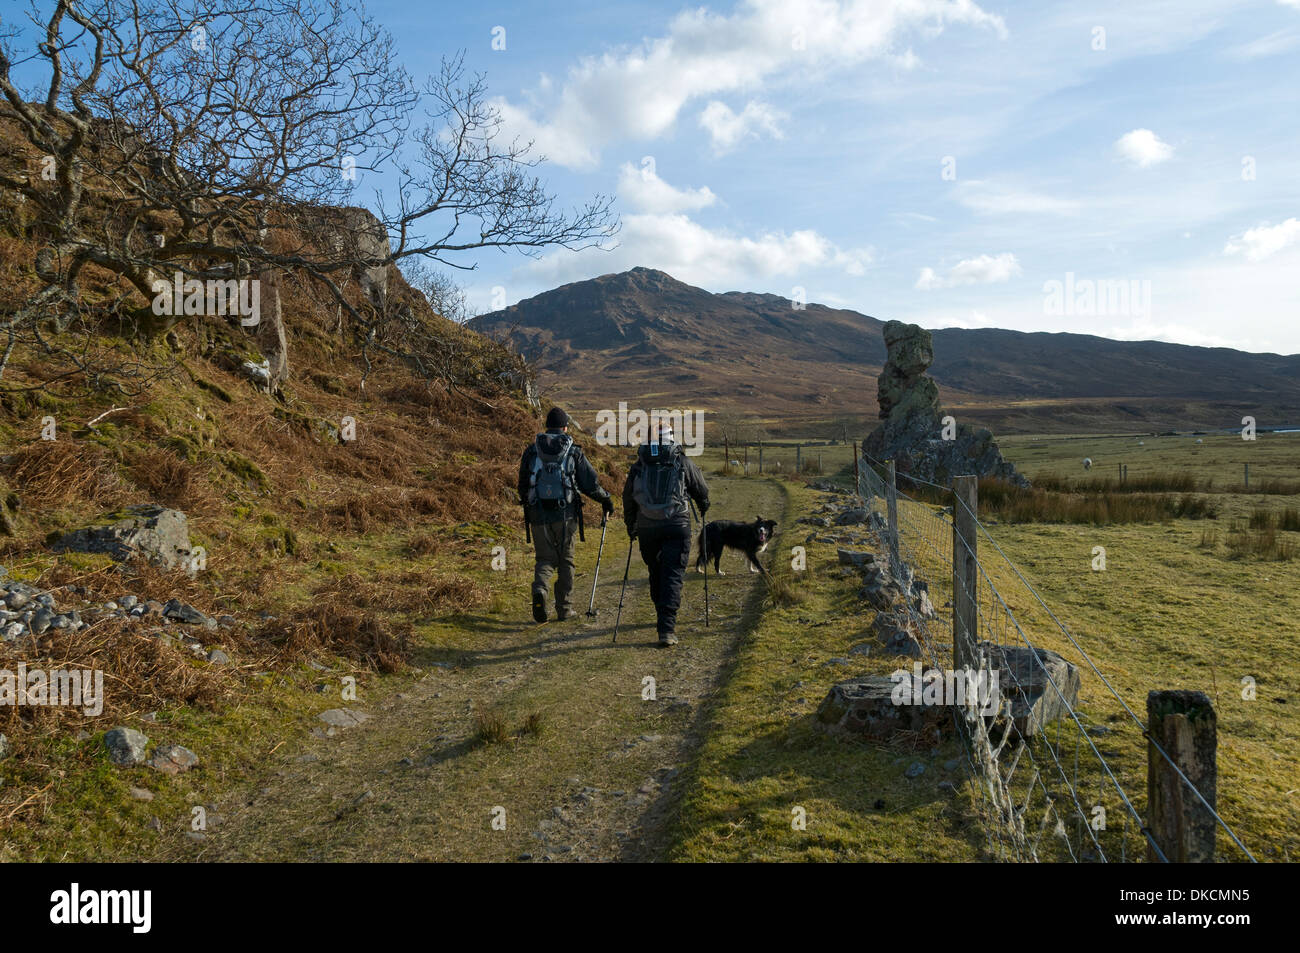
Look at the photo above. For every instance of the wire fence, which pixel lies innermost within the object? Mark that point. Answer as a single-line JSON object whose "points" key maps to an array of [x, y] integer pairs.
{"points": [[1047, 780]]}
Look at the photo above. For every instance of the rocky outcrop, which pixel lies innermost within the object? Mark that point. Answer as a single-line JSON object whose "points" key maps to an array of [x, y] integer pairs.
{"points": [[912, 433], [154, 532]]}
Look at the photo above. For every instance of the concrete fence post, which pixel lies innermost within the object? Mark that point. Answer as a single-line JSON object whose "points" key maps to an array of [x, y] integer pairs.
{"points": [[1184, 725], [965, 570]]}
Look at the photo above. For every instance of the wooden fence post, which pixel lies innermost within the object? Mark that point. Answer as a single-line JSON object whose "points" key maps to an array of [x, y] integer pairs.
{"points": [[760, 456], [798, 458], [891, 501], [1183, 723], [1246, 471], [819, 463], [965, 570], [857, 483], [746, 459], [726, 455]]}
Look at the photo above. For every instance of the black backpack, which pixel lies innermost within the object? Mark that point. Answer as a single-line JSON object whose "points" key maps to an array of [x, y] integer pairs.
{"points": [[660, 486], [551, 485]]}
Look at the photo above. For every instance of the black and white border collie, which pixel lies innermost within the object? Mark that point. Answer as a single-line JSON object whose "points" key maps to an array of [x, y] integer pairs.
{"points": [[750, 538]]}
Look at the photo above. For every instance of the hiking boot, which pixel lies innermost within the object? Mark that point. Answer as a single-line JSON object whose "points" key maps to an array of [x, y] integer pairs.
{"points": [[667, 638], [539, 607], [563, 614]]}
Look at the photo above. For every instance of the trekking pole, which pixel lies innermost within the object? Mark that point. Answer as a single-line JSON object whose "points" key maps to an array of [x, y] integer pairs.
{"points": [[704, 548], [591, 609], [626, 569]]}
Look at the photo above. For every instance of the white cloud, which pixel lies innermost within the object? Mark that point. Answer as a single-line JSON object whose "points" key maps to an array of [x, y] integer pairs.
{"points": [[991, 199], [638, 92], [982, 270], [1143, 148], [1270, 45], [728, 128], [1170, 333], [701, 256], [646, 192], [1260, 242]]}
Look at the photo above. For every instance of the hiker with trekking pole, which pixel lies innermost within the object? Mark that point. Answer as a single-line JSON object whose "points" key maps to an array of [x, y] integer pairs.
{"points": [[553, 472], [657, 509]]}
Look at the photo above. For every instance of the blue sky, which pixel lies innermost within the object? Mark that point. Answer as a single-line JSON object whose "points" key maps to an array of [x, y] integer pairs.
{"points": [[945, 162], [936, 162]]}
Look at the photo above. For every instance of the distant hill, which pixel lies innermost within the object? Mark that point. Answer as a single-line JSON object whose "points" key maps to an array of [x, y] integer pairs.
{"points": [[645, 337]]}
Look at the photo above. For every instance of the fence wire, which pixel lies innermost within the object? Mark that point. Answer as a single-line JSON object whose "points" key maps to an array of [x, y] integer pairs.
{"points": [[1044, 790]]}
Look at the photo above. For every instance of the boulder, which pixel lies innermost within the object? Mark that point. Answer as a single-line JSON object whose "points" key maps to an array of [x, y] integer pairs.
{"points": [[896, 633], [849, 557], [864, 707], [1025, 681], [157, 533], [126, 746], [880, 589], [173, 759], [342, 717], [179, 611]]}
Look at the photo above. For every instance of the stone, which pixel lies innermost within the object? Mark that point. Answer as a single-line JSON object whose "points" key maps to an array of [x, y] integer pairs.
{"points": [[184, 612], [342, 717], [17, 599], [126, 746], [173, 759], [154, 532], [141, 794], [895, 632], [911, 432], [4, 747], [880, 589], [864, 707], [128, 602], [218, 657], [849, 557], [13, 631], [852, 517], [1029, 699], [915, 769]]}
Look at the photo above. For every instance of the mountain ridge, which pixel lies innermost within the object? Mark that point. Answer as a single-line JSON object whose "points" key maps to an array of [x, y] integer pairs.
{"points": [[613, 337]]}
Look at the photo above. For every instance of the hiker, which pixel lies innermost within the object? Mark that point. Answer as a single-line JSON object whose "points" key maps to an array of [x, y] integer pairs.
{"points": [[657, 513], [552, 472]]}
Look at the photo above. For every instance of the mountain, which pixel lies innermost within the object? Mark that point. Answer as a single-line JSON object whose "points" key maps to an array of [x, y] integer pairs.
{"points": [[644, 337]]}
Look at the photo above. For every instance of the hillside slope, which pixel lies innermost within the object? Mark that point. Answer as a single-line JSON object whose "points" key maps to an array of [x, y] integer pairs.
{"points": [[643, 336]]}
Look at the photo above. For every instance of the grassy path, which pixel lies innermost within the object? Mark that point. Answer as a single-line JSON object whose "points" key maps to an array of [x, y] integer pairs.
{"points": [[599, 777]]}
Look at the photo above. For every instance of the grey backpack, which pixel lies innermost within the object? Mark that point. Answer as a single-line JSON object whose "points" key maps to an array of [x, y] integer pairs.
{"points": [[660, 487], [551, 484]]}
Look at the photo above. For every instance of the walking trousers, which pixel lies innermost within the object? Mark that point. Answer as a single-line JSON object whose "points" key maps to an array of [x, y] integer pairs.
{"points": [[554, 545], [666, 549]]}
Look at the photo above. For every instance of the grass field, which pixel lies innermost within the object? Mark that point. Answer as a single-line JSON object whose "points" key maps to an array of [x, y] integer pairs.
{"points": [[1175, 607]]}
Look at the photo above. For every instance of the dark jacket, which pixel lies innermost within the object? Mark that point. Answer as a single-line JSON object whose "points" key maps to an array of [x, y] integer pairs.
{"points": [[584, 475], [696, 489]]}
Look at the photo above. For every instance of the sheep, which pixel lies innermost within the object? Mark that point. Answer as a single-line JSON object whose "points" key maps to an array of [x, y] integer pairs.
{"points": [[1087, 463]]}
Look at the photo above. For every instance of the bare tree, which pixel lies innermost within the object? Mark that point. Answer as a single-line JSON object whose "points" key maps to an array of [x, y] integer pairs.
{"points": [[221, 140]]}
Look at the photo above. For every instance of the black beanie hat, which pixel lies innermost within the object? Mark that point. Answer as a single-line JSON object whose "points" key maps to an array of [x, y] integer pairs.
{"points": [[556, 419]]}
